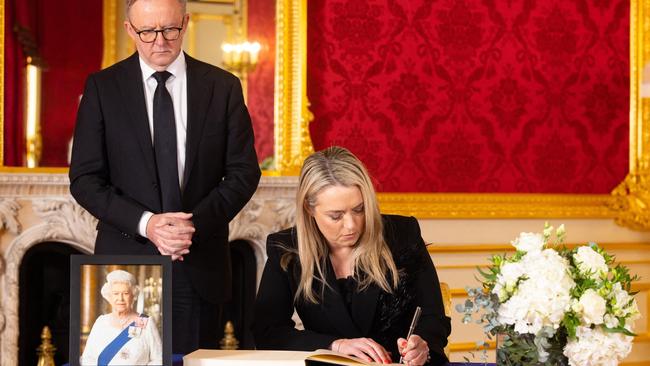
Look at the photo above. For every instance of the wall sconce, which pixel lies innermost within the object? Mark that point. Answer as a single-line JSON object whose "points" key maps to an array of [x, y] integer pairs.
{"points": [[240, 58]]}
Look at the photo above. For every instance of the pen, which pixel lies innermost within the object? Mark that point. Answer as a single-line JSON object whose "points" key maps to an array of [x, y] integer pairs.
{"points": [[414, 323]]}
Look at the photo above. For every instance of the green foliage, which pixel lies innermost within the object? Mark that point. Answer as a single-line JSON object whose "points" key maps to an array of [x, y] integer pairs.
{"points": [[570, 323], [622, 274], [522, 349], [619, 329]]}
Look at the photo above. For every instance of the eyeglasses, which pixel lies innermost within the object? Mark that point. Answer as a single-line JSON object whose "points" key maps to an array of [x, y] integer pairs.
{"points": [[150, 35]]}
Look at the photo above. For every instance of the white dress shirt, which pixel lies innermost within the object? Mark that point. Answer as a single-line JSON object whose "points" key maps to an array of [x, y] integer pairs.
{"points": [[177, 87]]}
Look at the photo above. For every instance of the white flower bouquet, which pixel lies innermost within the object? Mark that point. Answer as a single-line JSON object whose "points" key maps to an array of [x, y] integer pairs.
{"points": [[552, 305]]}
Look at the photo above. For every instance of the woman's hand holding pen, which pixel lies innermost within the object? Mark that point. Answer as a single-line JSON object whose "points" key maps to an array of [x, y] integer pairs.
{"points": [[415, 352], [364, 348]]}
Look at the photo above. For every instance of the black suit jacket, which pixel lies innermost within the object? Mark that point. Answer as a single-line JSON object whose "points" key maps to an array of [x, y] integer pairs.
{"points": [[113, 169], [374, 313]]}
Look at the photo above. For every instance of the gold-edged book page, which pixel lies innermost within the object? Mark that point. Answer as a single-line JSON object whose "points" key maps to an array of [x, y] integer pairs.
{"points": [[214, 357], [210, 357], [325, 356]]}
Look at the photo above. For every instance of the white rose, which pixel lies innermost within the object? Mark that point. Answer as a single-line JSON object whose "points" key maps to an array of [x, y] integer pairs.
{"points": [[622, 303], [529, 242], [595, 347], [610, 321], [576, 306], [542, 299], [593, 307], [590, 263], [510, 274], [507, 280], [500, 292]]}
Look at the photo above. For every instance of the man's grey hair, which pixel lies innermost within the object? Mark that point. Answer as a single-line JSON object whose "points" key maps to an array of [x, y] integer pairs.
{"points": [[129, 4], [120, 276]]}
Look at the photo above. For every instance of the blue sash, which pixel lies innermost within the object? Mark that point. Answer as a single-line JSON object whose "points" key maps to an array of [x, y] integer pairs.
{"points": [[112, 348]]}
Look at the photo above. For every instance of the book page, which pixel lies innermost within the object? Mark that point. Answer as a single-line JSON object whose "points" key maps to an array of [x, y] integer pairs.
{"points": [[213, 357], [205, 357], [335, 358]]}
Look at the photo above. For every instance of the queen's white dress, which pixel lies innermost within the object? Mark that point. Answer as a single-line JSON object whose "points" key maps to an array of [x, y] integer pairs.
{"points": [[137, 344]]}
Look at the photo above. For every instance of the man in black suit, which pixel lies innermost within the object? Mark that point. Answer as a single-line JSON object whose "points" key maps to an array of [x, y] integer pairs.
{"points": [[164, 157]]}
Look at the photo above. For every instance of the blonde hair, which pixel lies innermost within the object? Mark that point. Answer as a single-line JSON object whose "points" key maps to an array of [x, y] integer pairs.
{"points": [[372, 260]]}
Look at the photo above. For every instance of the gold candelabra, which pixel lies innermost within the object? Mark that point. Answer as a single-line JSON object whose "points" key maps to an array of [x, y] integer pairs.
{"points": [[46, 349], [229, 342], [240, 58], [151, 290]]}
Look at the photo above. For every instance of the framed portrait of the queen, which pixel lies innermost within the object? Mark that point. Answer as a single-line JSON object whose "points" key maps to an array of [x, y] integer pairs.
{"points": [[120, 310]]}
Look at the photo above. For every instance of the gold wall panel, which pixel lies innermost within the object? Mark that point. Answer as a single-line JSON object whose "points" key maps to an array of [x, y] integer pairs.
{"points": [[291, 113]]}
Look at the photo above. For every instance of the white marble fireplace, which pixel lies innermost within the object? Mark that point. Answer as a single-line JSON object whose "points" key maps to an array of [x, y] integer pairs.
{"points": [[37, 208]]}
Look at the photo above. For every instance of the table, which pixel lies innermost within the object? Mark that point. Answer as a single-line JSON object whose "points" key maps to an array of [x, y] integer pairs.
{"points": [[177, 360], [205, 357]]}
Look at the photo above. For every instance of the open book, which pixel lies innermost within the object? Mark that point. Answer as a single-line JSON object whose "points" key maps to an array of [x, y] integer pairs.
{"points": [[205, 357], [323, 356]]}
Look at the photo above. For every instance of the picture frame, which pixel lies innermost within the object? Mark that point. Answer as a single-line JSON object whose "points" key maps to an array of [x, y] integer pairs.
{"points": [[147, 336]]}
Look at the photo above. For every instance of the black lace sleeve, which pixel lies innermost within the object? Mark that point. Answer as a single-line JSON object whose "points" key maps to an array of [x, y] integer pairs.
{"points": [[418, 286]]}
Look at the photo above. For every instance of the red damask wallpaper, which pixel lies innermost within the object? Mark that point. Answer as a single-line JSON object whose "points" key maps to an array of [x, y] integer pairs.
{"points": [[72, 49], [474, 96], [261, 28]]}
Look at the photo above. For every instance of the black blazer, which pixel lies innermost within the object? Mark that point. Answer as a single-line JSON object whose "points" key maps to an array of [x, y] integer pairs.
{"points": [[374, 313], [113, 169]]}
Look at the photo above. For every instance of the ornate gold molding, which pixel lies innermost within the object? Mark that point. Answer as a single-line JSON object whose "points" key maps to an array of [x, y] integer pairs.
{"points": [[109, 25], [2, 82], [631, 201], [503, 248], [632, 197], [291, 107], [494, 205]]}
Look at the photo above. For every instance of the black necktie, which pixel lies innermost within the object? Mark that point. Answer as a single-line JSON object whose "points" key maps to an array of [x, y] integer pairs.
{"points": [[164, 143]]}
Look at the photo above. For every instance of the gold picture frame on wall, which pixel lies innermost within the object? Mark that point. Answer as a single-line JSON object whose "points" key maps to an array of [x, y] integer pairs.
{"points": [[628, 203]]}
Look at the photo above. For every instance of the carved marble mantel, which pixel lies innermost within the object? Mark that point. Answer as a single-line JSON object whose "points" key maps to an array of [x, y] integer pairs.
{"points": [[37, 207]]}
